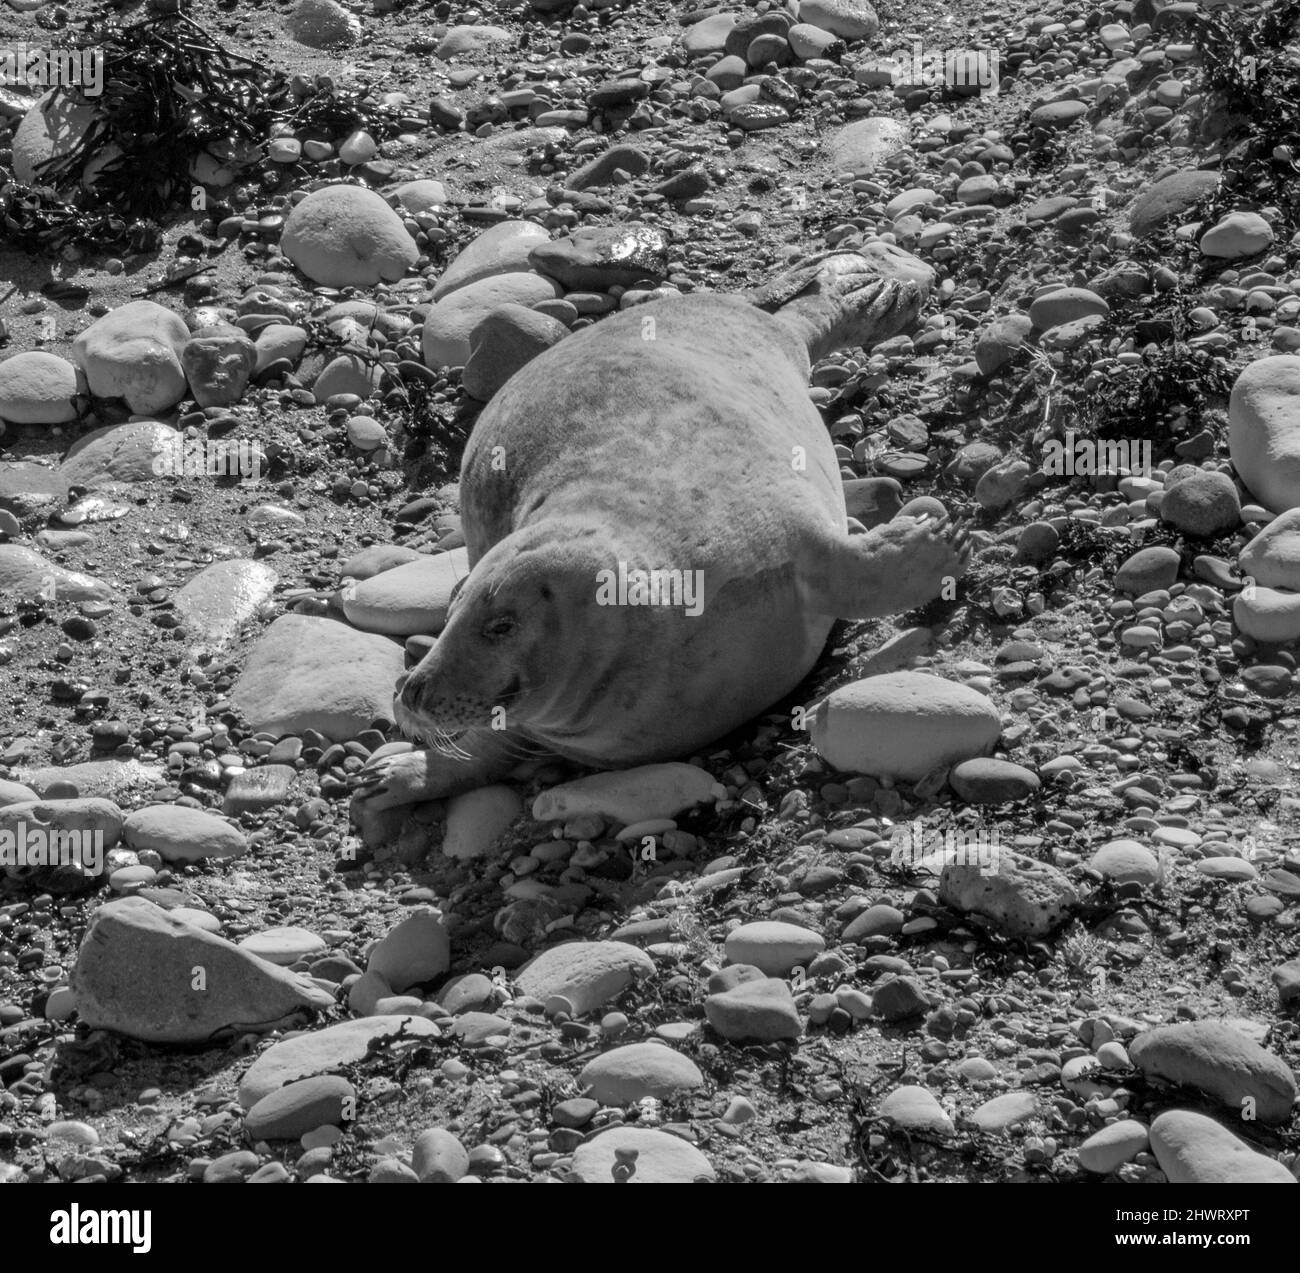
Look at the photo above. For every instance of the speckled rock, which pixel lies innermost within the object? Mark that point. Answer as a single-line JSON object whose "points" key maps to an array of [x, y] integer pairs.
{"points": [[1020, 897]]}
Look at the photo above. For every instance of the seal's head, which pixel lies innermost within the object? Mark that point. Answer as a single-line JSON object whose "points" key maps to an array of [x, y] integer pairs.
{"points": [[517, 626]]}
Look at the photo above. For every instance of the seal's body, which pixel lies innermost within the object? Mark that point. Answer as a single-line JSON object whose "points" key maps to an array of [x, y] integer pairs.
{"points": [[676, 437], [684, 444]]}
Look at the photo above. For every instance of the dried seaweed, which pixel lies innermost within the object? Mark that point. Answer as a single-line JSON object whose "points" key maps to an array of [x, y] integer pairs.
{"points": [[171, 94]]}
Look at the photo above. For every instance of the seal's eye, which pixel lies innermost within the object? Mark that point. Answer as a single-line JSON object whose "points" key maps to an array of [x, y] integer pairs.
{"points": [[501, 626]]}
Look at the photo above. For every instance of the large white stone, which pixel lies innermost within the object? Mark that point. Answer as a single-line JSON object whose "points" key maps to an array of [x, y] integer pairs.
{"points": [[850, 19], [1264, 430], [448, 326], [465, 41], [347, 236], [902, 725], [37, 388], [133, 352], [53, 126], [630, 1073], [1216, 1058], [120, 454], [178, 833], [661, 1158], [410, 599], [309, 673], [1270, 615], [1195, 1150], [27, 576], [325, 1052], [502, 249], [861, 147], [772, 946], [477, 819], [222, 597], [1272, 558], [586, 973], [1238, 234], [137, 973]]}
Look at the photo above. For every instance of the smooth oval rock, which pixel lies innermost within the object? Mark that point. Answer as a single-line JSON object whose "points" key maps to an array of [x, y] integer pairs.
{"points": [[347, 236], [625, 1075], [903, 725], [1219, 1060], [1195, 1150], [37, 388]]}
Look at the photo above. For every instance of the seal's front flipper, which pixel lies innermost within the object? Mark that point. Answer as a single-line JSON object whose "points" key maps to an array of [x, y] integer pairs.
{"points": [[483, 756], [891, 569]]}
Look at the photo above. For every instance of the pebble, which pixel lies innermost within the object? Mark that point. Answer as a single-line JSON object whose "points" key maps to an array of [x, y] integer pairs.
{"points": [[478, 819], [987, 781], [762, 1010], [37, 388], [445, 341], [347, 236], [301, 1107], [134, 975], [307, 673], [1018, 895], [501, 249], [1195, 1150], [408, 599], [180, 834], [132, 352], [415, 951], [1220, 1061], [1107, 1150], [902, 725], [1264, 430], [657, 1158], [915, 1109], [323, 1052], [588, 974], [773, 948], [438, 1157], [283, 946], [627, 1074]]}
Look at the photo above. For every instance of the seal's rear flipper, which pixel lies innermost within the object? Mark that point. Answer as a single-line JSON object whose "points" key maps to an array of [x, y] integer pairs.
{"points": [[891, 569], [841, 299]]}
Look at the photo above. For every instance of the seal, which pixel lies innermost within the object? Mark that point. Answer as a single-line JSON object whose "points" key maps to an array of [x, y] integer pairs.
{"points": [[657, 536]]}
